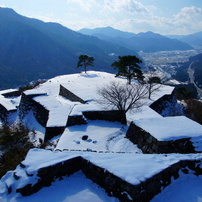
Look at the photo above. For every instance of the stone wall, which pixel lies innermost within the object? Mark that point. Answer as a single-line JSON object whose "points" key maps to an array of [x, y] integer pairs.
{"points": [[75, 120], [40, 112], [167, 105], [113, 115], [52, 132], [113, 185], [150, 145], [4, 114], [69, 95], [125, 191], [12, 94], [49, 174]]}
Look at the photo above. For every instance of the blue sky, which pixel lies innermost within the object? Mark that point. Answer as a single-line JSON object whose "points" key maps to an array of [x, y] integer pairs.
{"points": [[160, 16]]}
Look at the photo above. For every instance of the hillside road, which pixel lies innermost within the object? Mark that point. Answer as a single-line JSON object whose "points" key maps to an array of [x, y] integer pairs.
{"points": [[192, 79]]}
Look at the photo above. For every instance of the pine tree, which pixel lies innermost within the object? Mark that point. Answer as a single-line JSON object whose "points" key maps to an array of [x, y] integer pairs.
{"points": [[84, 61], [128, 67]]}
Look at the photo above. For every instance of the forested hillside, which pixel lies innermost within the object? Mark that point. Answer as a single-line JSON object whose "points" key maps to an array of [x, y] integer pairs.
{"points": [[31, 49]]}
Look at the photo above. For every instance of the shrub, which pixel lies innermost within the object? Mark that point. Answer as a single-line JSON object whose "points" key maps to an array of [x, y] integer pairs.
{"points": [[14, 143], [31, 85], [194, 110]]}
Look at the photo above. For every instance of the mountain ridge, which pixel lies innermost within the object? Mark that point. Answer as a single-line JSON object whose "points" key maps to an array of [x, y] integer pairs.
{"points": [[194, 39], [146, 42], [38, 50]]}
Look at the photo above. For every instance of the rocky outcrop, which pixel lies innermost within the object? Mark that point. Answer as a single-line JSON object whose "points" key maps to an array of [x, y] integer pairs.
{"points": [[150, 145], [69, 95], [113, 115]]}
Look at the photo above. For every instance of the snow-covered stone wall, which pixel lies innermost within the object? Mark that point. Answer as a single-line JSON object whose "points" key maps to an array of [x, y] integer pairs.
{"points": [[167, 105], [4, 113], [40, 112], [111, 115], [150, 145], [113, 185], [69, 95]]}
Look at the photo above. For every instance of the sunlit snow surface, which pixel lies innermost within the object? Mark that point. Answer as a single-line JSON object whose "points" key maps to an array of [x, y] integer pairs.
{"points": [[133, 168], [170, 128], [74, 188], [9, 104], [103, 136], [84, 86], [187, 188]]}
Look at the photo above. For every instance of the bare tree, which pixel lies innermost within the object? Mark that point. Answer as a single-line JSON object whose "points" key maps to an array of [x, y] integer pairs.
{"points": [[121, 96], [153, 83]]}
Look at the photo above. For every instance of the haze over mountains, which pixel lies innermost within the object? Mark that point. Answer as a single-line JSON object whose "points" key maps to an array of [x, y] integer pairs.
{"points": [[31, 49], [194, 40], [146, 42]]}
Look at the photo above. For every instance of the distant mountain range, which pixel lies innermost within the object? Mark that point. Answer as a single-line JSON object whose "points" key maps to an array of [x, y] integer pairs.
{"points": [[194, 40], [147, 42], [31, 49]]}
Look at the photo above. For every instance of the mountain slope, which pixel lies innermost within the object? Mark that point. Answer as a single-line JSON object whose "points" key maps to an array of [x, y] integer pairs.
{"points": [[147, 42], [107, 31], [32, 49], [196, 65], [194, 40]]}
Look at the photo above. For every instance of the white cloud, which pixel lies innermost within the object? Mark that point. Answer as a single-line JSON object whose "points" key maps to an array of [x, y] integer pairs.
{"points": [[188, 15], [128, 15], [187, 21], [130, 6], [86, 5]]}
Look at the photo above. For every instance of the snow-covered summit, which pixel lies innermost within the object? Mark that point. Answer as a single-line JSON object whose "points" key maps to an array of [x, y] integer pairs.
{"points": [[170, 128], [104, 140], [84, 86]]}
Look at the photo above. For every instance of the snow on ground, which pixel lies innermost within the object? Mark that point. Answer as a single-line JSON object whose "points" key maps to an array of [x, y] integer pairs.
{"points": [[130, 167], [58, 112], [101, 136], [9, 103], [170, 128], [163, 90], [74, 188], [197, 143], [145, 112], [37, 132], [188, 187], [84, 86]]}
